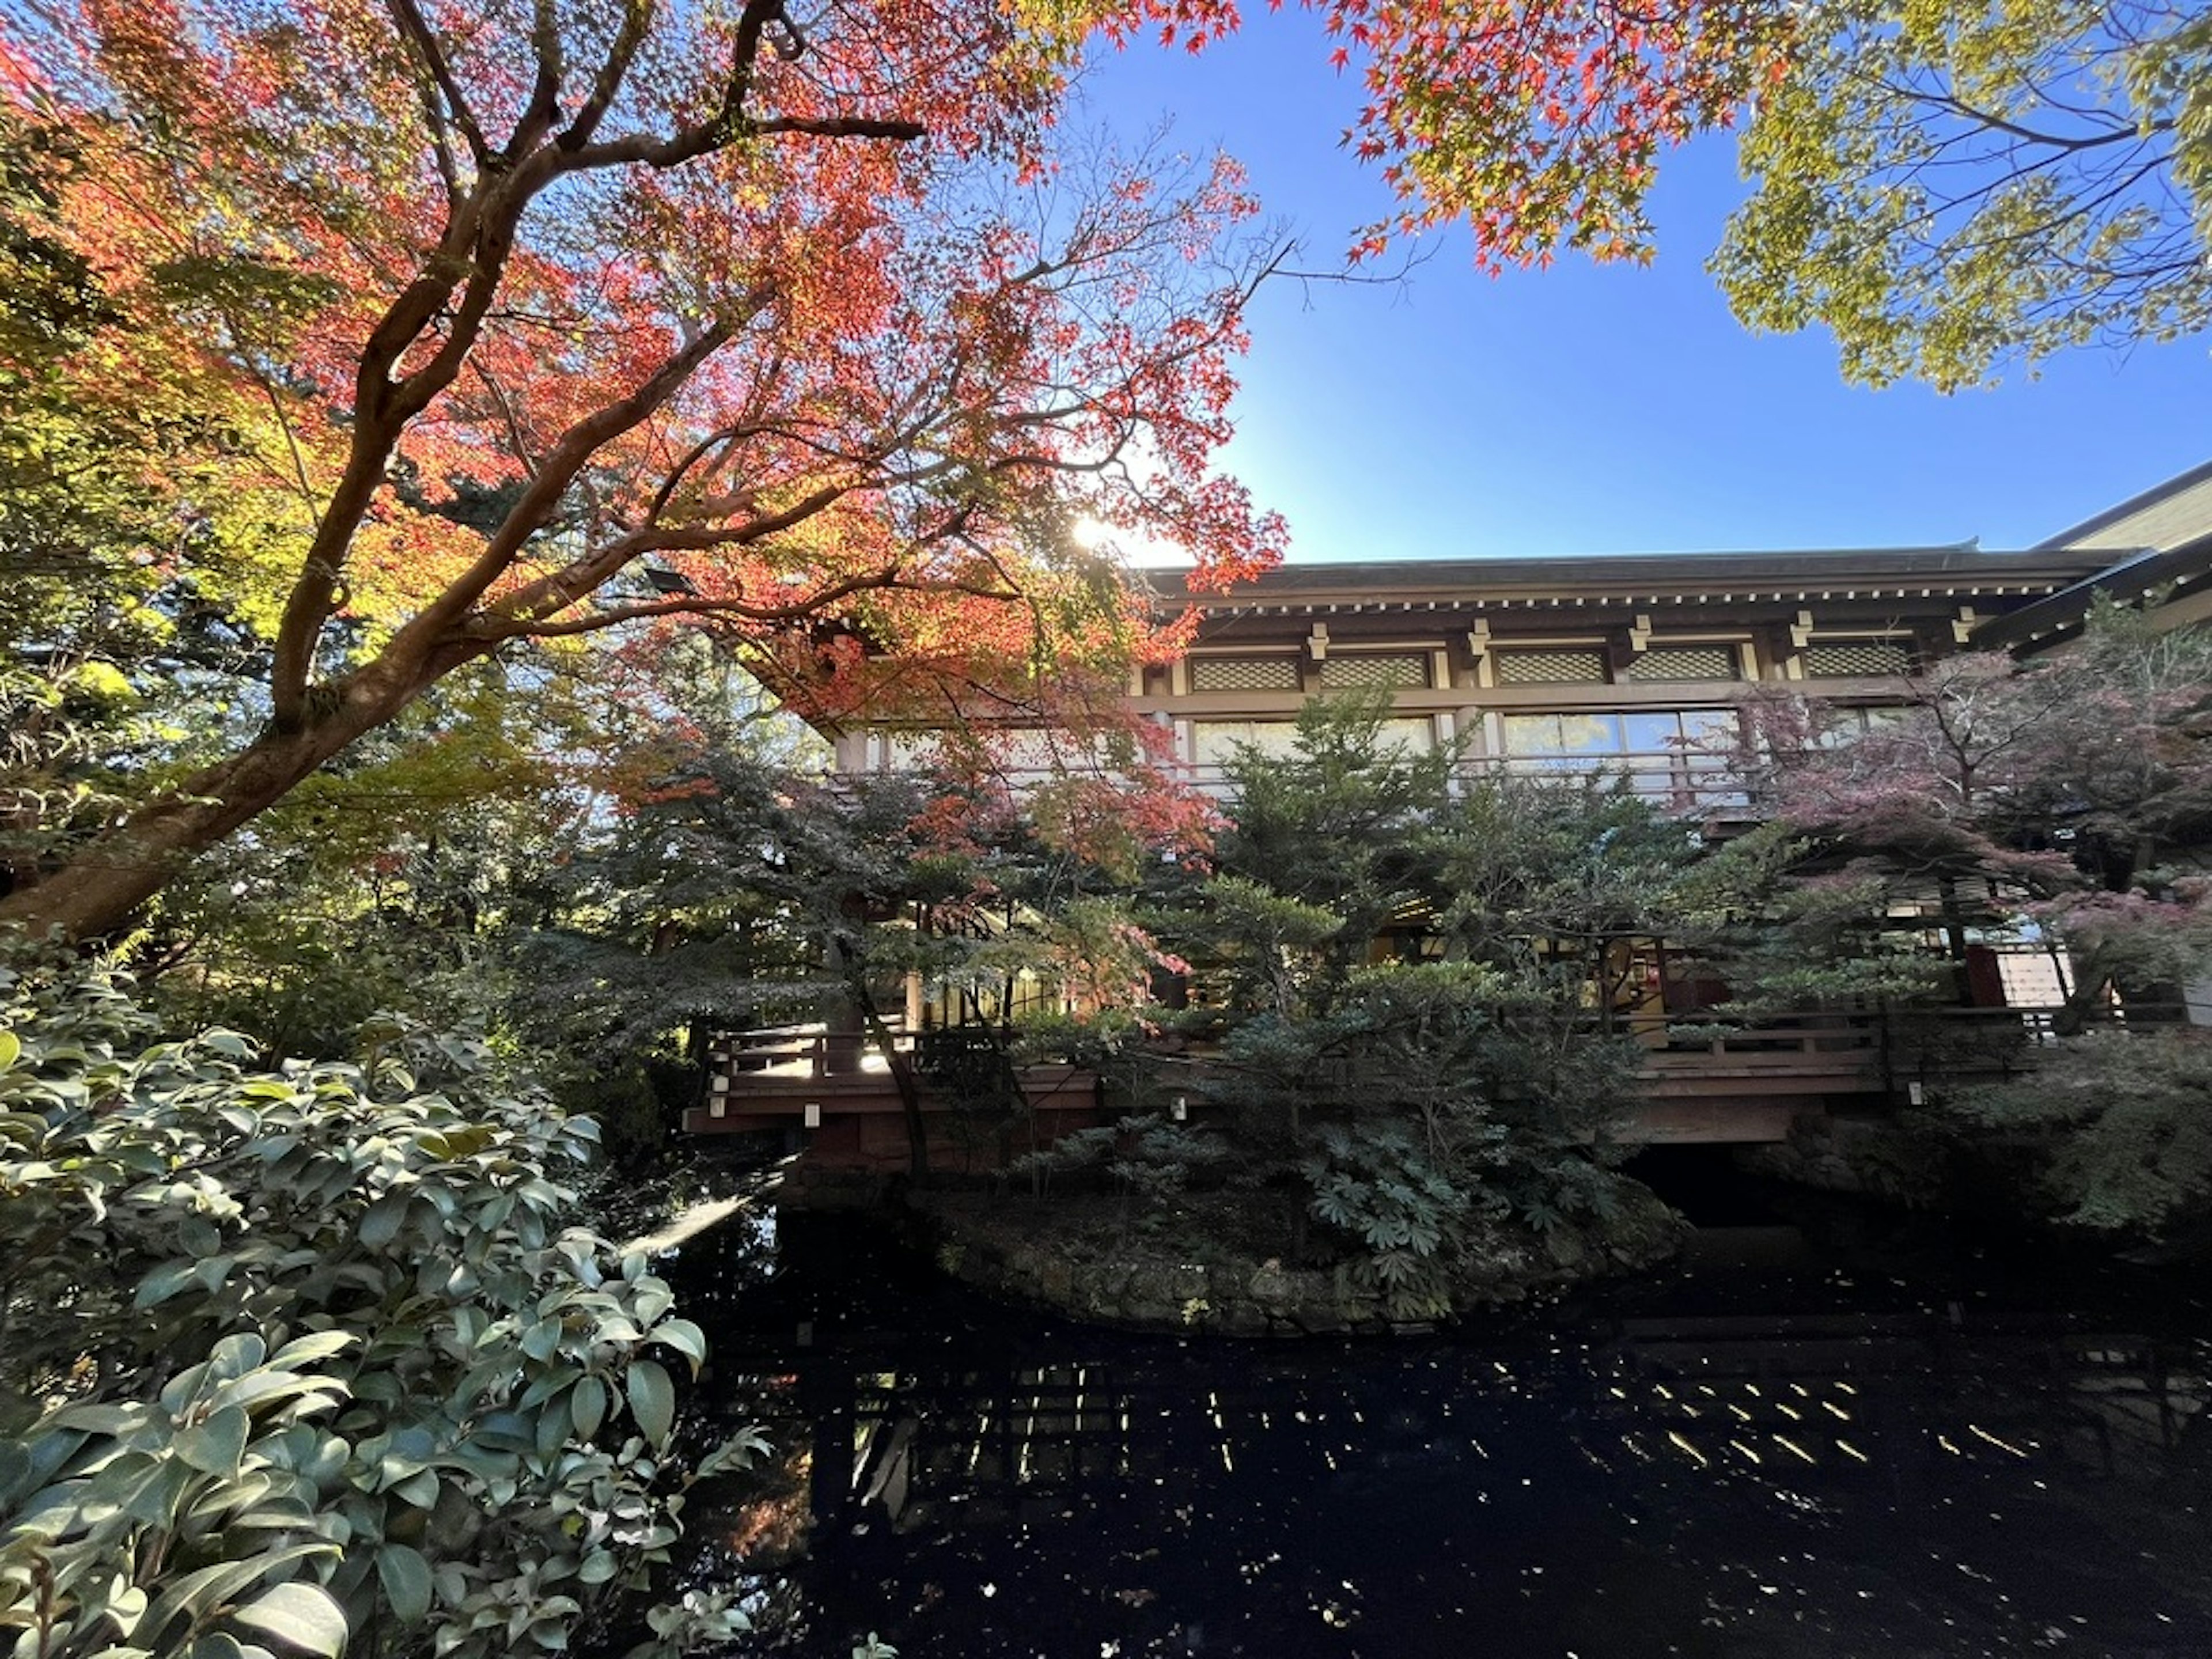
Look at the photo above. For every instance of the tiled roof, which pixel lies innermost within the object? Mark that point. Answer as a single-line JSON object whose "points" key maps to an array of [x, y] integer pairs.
{"points": [[1823, 573]]}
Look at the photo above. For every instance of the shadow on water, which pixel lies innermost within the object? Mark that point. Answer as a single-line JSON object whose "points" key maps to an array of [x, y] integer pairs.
{"points": [[1834, 1430]]}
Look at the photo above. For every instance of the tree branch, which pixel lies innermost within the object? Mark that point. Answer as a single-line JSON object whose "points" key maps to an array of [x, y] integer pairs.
{"points": [[415, 30]]}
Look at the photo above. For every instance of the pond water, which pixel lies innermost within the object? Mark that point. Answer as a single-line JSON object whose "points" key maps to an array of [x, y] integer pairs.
{"points": [[1832, 1430]]}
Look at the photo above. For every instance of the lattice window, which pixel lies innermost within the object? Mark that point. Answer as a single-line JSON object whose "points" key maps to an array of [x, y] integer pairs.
{"points": [[1684, 662], [1835, 659], [1368, 671], [1244, 673], [1551, 665]]}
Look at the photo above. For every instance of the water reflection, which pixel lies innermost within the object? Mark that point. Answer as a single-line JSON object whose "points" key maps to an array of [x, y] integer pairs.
{"points": [[1768, 1454]]}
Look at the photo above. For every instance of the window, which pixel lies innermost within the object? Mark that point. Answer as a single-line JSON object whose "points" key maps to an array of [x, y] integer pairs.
{"points": [[1673, 757], [1561, 741], [1848, 725], [1214, 743]]}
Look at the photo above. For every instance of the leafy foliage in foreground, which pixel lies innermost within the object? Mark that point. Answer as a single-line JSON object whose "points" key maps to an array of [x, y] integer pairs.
{"points": [[305, 1358]]}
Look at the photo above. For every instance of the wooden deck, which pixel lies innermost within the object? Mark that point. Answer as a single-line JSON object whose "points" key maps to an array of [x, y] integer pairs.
{"points": [[1737, 1087], [846, 1103]]}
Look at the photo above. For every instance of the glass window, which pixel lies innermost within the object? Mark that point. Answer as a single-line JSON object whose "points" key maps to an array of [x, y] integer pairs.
{"points": [[1673, 757], [1562, 734], [1215, 743]]}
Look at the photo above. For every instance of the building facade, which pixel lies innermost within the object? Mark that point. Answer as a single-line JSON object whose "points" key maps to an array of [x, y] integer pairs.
{"points": [[1630, 666]]}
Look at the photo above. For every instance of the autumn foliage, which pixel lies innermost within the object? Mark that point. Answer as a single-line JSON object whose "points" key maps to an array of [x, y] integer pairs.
{"points": [[1539, 123], [2075, 792], [522, 325]]}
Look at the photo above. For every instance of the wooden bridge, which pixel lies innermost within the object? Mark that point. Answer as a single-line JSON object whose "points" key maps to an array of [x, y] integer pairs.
{"points": [[1719, 1085]]}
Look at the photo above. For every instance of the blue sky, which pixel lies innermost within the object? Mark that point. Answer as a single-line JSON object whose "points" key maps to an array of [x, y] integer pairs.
{"points": [[1587, 410]]}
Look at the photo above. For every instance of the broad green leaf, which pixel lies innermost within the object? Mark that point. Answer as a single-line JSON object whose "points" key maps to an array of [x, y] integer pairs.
{"points": [[217, 1445], [164, 1282], [380, 1222], [686, 1338], [157, 1499], [307, 1349], [651, 1400], [100, 1420], [199, 1236], [302, 1616], [235, 1356], [406, 1576], [24, 1129], [587, 1406], [192, 1594]]}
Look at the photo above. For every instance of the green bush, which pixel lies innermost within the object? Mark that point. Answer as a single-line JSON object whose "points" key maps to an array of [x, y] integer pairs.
{"points": [[1406, 1210], [2119, 1125], [1149, 1158], [306, 1360]]}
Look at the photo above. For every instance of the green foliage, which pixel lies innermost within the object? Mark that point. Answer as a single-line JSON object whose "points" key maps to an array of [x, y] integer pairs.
{"points": [[2121, 1123], [307, 1355], [1950, 188], [1406, 1209], [1333, 835], [1148, 1158], [1794, 935], [1405, 993]]}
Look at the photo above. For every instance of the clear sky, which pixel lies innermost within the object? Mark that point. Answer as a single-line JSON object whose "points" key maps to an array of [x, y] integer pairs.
{"points": [[1588, 410]]}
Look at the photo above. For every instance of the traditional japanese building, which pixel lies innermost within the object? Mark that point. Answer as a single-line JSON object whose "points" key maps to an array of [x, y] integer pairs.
{"points": [[1621, 665], [1617, 665]]}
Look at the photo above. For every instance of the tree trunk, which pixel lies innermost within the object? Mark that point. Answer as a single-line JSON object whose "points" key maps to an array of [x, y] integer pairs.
{"points": [[2084, 1003], [903, 1074], [107, 880]]}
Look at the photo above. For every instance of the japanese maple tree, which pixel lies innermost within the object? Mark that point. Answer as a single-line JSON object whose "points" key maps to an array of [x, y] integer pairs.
{"points": [[1539, 123], [2075, 790], [527, 323]]}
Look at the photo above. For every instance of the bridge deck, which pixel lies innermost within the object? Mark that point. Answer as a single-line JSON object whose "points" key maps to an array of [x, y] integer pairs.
{"points": [[1725, 1086]]}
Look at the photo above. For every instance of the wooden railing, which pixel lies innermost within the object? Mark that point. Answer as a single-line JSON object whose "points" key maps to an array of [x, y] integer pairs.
{"points": [[803, 1051], [1807, 1056], [1674, 780]]}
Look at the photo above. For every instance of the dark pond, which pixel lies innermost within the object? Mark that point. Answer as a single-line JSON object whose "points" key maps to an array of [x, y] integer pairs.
{"points": [[1834, 1431]]}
